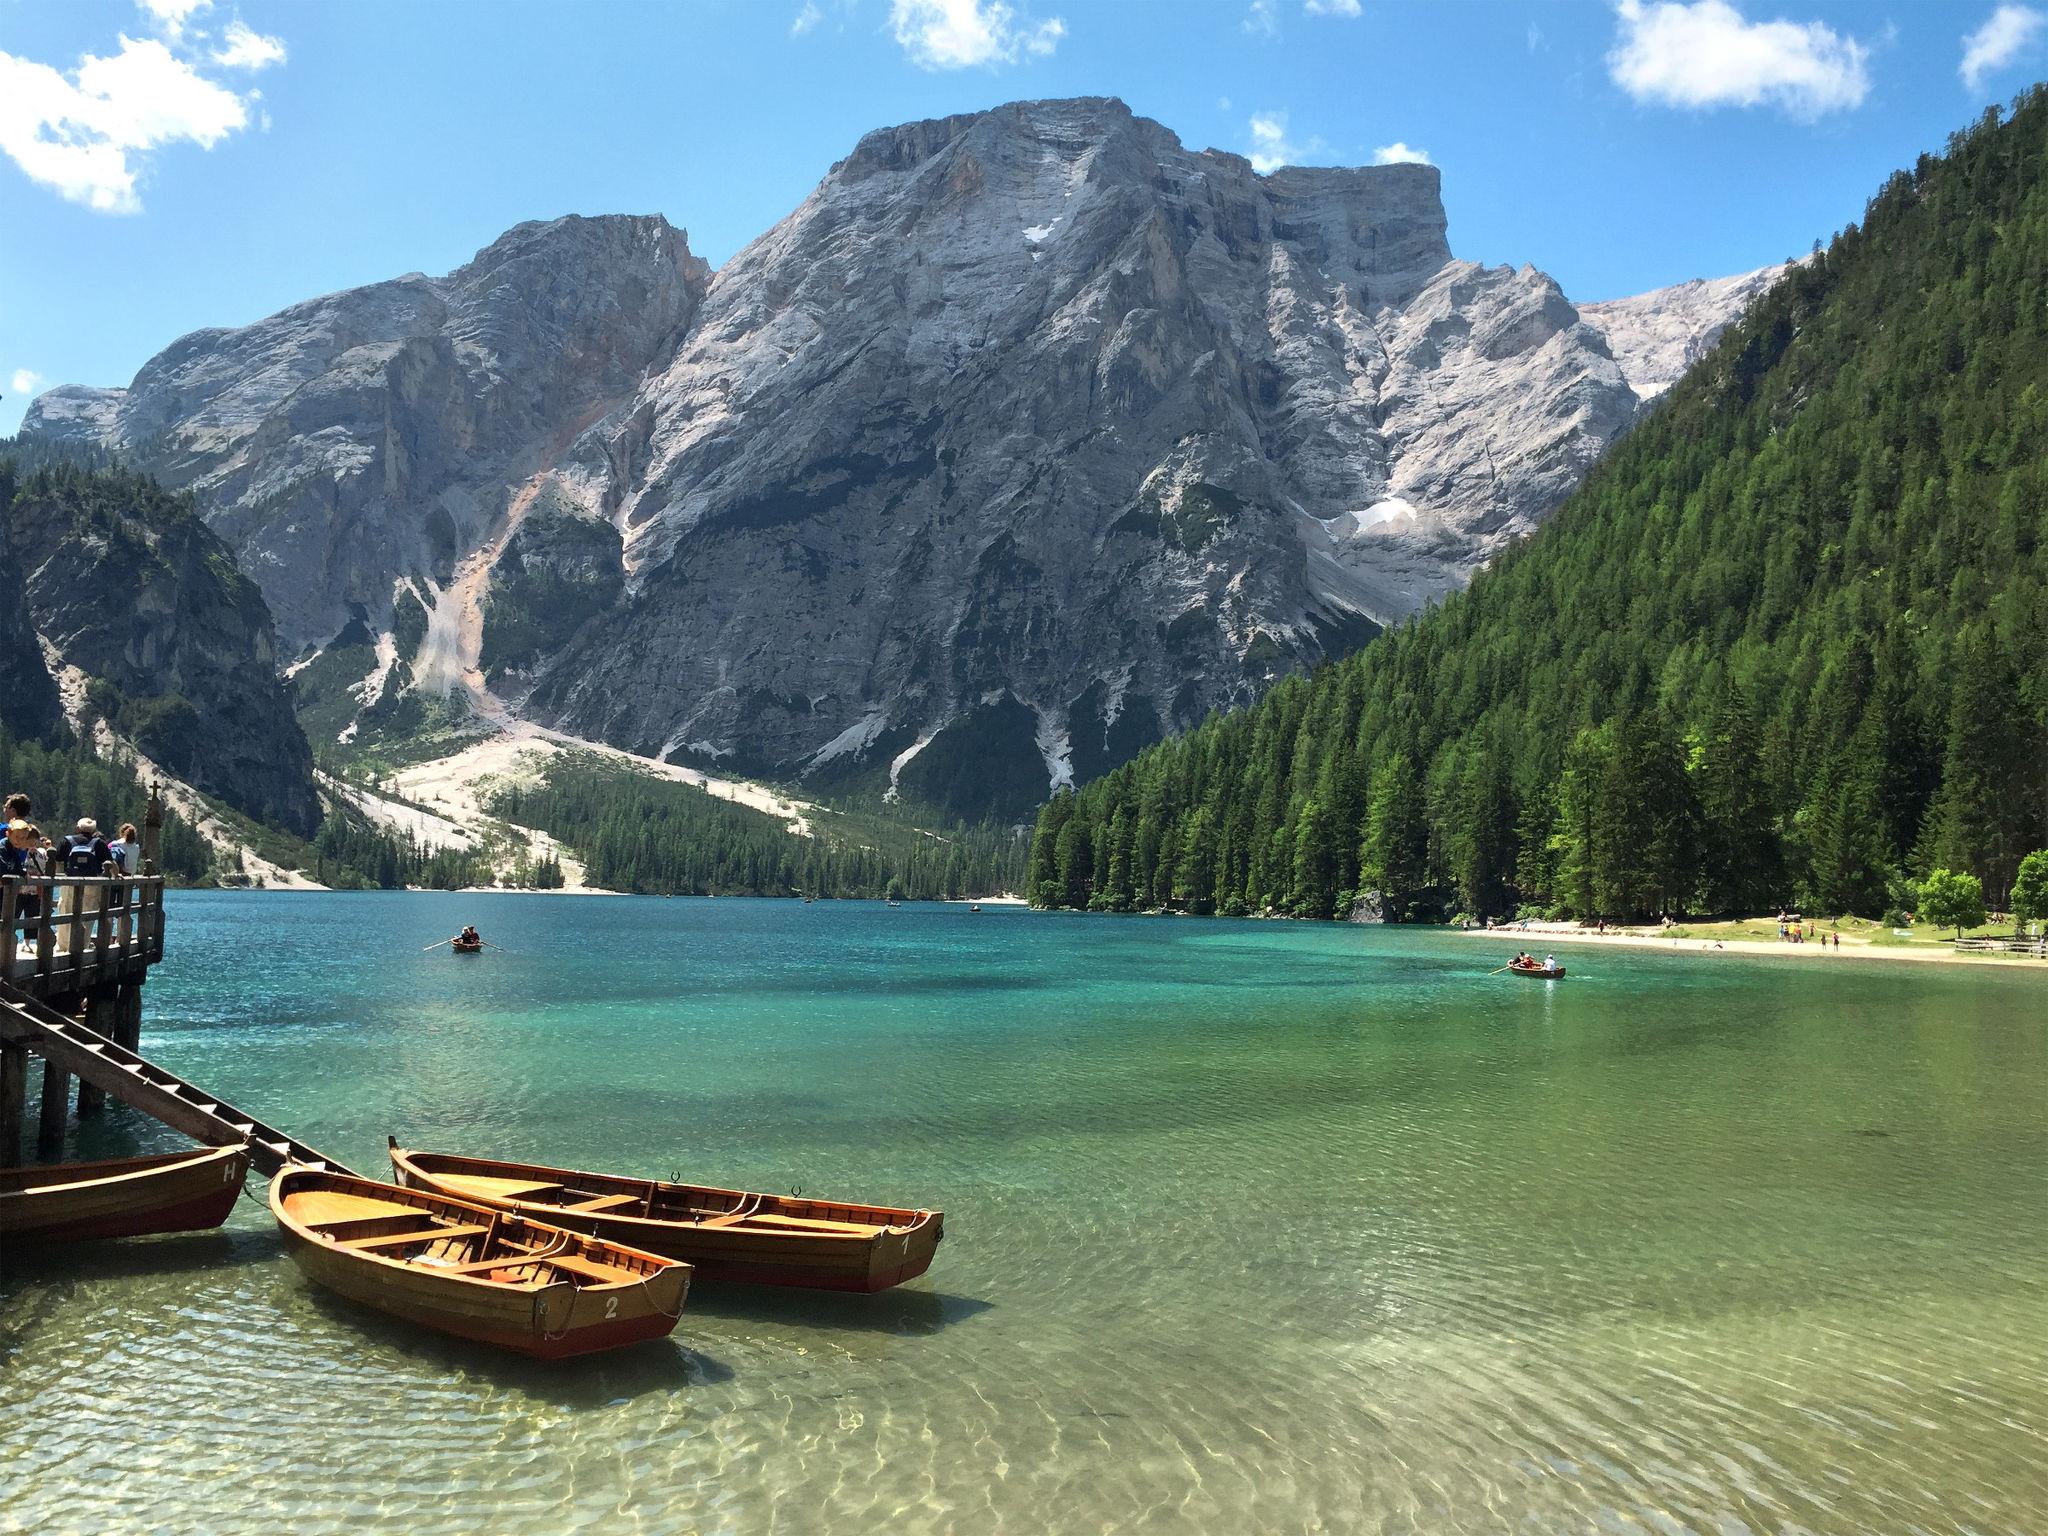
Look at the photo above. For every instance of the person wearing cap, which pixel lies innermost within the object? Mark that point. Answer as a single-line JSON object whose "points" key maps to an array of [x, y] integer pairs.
{"points": [[85, 853]]}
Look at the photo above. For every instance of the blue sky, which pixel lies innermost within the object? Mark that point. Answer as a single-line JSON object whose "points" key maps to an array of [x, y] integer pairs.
{"points": [[172, 164]]}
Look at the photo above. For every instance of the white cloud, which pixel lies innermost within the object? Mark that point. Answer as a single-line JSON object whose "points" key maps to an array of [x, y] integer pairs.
{"points": [[1398, 153], [1534, 37], [1707, 55], [24, 381], [2009, 32], [242, 48], [1334, 7], [1222, 103], [170, 16], [1263, 20], [806, 19], [957, 34], [1271, 148], [88, 134]]}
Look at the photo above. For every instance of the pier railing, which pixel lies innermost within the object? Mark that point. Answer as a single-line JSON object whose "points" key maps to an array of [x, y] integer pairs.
{"points": [[62, 934]]}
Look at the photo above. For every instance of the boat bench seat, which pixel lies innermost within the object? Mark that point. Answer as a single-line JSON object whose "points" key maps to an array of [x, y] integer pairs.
{"points": [[404, 1239], [813, 1224], [604, 1203], [590, 1269], [485, 1266]]}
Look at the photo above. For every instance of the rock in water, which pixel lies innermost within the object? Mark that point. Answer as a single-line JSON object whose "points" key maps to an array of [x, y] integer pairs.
{"points": [[1028, 437]]}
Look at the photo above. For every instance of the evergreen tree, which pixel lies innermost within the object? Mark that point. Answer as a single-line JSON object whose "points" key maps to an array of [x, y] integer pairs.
{"points": [[1789, 636], [1391, 858]]}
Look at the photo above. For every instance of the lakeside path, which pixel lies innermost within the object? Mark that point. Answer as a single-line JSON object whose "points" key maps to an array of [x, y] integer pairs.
{"points": [[1815, 953]]}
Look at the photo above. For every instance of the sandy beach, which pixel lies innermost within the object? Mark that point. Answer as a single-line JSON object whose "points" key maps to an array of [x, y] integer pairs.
{"points": [[1538, 937]]}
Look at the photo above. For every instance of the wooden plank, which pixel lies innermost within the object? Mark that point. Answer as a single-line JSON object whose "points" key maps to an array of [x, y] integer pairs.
{"points": [[136, 1081], [13, 1101], [46, 936], [406, 1239], [10, 901], [103, 937], [604, 1203], [74, 938]]}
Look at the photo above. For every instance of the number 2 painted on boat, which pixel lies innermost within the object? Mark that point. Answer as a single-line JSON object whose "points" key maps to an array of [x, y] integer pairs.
{"points": [[611, 1308]]}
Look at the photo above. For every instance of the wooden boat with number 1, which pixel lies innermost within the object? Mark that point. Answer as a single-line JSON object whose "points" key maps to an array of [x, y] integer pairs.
{"points": [[475, 1272], [124, 1197], [726, 1234]]}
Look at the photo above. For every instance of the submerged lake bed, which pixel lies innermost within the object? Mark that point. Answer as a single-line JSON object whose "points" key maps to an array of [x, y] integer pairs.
{"points": [[1249, 1227]]}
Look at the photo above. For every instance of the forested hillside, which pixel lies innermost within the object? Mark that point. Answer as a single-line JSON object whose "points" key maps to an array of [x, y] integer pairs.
{"points": [[1788, 643], [635, 832]]}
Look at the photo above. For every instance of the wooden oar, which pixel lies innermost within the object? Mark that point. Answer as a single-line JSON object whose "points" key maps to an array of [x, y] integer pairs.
{"points": [[487, 944], [1508, 967], [437, 946]]}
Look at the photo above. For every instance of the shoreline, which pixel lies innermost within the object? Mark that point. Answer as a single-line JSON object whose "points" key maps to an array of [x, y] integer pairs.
{"points": [[1853, 949]]}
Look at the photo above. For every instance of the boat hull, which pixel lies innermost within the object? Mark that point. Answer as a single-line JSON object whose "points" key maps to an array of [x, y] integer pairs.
{"points": [[547, 1322], [1537, 973], [896, 1246], [123, 1197], [733, 1259]]}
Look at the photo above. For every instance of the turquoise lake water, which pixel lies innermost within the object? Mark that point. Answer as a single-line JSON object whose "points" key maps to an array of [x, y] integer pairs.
{"points": [[1250, 1227]]}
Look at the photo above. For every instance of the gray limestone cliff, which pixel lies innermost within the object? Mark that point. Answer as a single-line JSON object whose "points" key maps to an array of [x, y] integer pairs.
{"points": [[380, 432], [1030, 436]]}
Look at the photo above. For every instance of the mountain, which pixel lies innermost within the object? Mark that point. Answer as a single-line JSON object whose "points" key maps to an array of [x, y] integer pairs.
{"points": [[1656, 336], [1028, 437], [143, 607], [372, 438], [1784, 646], [29, 705]]}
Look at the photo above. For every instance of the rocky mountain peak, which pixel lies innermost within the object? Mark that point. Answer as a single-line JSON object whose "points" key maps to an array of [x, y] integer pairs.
{"points": [[1028, 436]]}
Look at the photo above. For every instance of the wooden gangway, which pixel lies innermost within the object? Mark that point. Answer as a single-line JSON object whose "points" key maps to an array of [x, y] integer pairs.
{"points": [[26, 1021]]}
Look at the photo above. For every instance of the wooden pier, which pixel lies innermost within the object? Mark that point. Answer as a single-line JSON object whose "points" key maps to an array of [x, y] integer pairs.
{"points": [[72, 999]]}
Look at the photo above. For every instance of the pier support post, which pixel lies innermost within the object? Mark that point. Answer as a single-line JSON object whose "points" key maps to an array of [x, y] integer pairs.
{"points": [[56, 1106], [127, 1031], [13, 1101], [102, 1016]]}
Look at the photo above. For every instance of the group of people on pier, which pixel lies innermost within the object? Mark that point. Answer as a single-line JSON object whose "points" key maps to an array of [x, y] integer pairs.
{"points": [[26, 852]]}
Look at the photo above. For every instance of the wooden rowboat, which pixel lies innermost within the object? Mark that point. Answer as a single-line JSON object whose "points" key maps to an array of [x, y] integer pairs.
{"points": [[124, 1197], [727, 1234], [461, 948], [477, 1273], [1540, 972]]}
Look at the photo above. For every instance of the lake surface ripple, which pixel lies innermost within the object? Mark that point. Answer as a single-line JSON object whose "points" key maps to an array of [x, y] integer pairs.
{"points": [[1250, 1227]]}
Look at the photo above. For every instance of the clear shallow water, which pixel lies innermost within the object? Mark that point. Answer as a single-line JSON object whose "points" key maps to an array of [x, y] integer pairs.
{"points": [[1251, 1227]]}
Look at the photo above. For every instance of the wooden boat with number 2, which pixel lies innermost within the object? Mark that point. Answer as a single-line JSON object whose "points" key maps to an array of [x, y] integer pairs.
{"points": [[726, 1234], [475, 1272], [124, 1197]]}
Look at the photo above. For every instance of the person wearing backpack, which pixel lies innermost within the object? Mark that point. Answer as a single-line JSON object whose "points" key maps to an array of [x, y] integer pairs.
{"points": [[84, 853]]}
